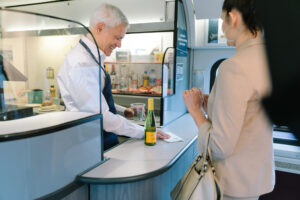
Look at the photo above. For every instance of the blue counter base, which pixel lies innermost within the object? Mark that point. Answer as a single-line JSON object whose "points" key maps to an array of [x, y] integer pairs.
{"points": [[158, 187]]}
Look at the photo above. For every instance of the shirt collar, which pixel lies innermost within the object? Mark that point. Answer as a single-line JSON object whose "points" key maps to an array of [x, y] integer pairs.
{"points": [[93, 48], [251, 42]]}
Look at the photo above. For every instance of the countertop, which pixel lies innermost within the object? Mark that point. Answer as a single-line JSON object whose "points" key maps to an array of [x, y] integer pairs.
{"points": [[133, 160]]}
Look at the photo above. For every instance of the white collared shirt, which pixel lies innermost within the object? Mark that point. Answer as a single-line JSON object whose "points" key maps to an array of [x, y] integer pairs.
{"points": [[78, 81]]}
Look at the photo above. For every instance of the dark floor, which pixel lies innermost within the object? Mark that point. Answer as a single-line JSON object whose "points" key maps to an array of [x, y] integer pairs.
{"points": [[287, 187]]}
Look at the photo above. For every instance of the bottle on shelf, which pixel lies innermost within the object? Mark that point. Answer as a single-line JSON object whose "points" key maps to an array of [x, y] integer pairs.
{"points": [[106, 68], [123, 79], [117, 82], [134, 81], [50, 73], [49, 76], [123, 84], [47, 101], [140, 80], [152, 78], [52, 91], [113, 70], [145, 79], [129, 78], [150, 125], [113, 75]]}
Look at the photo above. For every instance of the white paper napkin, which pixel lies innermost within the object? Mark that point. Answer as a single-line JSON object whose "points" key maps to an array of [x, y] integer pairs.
{"points": [[173, 138]]}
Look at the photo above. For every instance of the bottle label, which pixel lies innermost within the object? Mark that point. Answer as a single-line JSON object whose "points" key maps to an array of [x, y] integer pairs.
{"points": [[150, 104], [145, 82], [150, 137]]}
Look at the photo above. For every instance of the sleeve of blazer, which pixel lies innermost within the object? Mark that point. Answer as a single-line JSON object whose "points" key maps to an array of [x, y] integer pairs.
{"points": [[232, 92]]}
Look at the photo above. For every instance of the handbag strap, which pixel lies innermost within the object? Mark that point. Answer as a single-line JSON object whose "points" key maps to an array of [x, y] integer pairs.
{"points": [[199, 165], [207, 155]]}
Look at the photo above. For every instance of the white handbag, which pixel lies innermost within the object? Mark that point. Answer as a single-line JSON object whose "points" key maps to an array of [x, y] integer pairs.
{"points": [[200, 181]]}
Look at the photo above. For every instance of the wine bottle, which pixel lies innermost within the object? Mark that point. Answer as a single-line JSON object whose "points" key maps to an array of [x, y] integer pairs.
{"points": [[150, 125], [145, 79]]}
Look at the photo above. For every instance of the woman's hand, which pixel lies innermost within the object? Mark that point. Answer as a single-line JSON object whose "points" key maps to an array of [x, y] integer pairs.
{"points": [[193, 99]]}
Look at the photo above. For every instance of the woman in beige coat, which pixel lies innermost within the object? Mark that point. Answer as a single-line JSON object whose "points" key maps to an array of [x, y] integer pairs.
{"points": [[240, 133]]}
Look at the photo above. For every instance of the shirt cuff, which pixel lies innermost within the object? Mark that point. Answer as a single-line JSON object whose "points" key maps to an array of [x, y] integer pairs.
{"points": [[140, 132], [203, 133], [120, 109]]}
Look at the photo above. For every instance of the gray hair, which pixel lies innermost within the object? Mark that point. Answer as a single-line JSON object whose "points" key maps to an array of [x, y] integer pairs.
{"points": [[108, 14]]}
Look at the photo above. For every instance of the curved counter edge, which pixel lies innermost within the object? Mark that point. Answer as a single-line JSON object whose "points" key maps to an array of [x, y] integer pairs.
{"points": [[48, 130], [138, 177], [62, 192]]}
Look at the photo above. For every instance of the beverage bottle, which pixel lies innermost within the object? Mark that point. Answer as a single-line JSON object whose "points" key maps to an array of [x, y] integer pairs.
{"points": [[129, 78], [134, 81], [140, 80], [106, 68], [123, 84], [123, 78], [113, 77], [117, 82], [150, 125], [113, 70], [52, 91], [145, 79], [152, 78], [47, 101]]}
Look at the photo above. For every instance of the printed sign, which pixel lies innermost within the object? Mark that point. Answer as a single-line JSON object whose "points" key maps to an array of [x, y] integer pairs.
{"points": [[179, 71]]}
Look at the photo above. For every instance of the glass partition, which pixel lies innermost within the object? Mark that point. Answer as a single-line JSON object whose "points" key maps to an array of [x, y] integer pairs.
{"points": [[36, 135], [32, 50]]}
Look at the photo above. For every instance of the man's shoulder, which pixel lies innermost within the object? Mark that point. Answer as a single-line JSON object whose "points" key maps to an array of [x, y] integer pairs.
{"points": [[76, 53], [77, 57]]}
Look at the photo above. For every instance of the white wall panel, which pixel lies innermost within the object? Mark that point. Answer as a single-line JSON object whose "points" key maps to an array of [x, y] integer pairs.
{"points": [[208, 9]]}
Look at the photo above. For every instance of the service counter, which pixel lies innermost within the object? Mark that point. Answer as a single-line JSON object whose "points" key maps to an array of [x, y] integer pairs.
{"points": [[58, 156], [136, 171]]}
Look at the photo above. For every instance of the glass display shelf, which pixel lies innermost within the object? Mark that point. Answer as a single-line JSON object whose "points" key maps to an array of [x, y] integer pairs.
{"points": [[140, 78], [138, 67]]}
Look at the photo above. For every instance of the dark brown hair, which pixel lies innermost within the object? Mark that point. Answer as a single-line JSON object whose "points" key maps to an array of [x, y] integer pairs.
{"points": [[248, 10]]}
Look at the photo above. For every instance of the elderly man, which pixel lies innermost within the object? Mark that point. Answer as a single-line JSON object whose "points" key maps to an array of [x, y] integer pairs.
{"points": [[78, 77]]}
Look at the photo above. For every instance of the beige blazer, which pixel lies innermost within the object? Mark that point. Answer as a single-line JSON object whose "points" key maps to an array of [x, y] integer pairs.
{"points": [[241, 135]]}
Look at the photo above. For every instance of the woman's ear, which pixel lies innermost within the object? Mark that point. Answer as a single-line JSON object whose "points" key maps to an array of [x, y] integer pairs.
{"points": [[234, 17]]}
